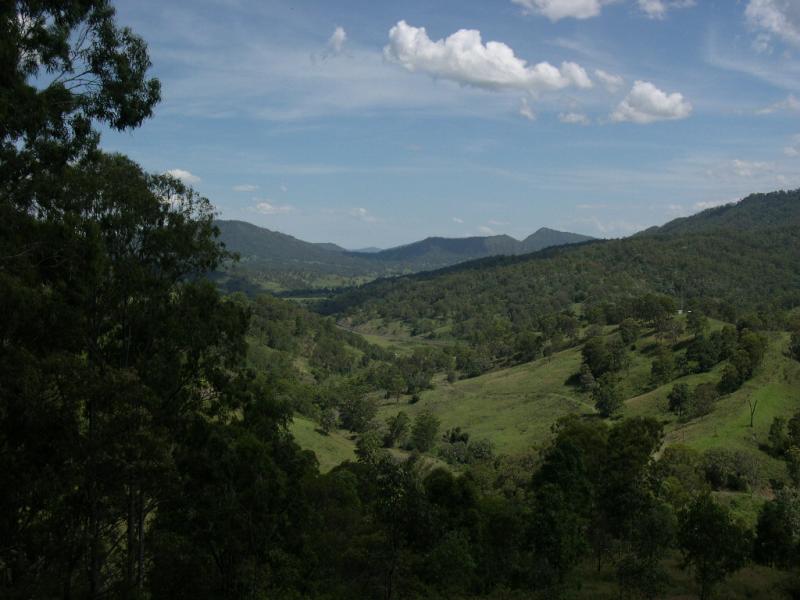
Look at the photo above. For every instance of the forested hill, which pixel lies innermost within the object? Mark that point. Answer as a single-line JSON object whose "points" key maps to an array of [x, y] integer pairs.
{"points": [[755, 212], [439, 251], [253, 241], [746, 267], [274, 260]]}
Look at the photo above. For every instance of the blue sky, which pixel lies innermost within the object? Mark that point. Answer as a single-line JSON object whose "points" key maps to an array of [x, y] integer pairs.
{"points": [[380, 123]]}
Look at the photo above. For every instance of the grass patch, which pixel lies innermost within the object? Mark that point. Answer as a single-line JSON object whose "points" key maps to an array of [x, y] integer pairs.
{"points": [[330, 450], [514, 408]]}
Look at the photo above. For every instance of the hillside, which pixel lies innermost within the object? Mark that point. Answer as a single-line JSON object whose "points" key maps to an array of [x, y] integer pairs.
{"points": [[273, 261], [257, 242], [756, 212], [728, 271]]}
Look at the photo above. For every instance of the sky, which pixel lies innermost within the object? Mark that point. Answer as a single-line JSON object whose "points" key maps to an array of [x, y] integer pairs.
{"points": [[370, 123]]}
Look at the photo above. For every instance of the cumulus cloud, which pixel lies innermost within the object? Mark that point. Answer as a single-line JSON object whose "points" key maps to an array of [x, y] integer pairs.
{"points": [[245, 187], [790, 104], [465, 59], [458, 220], [362, 214], [645, 103], [185, 176], [485, 230], [525, 110], [611, 82], [574, 118], [337, 40], [657, 9], [774, 18], [267, 208], [556, 10]]}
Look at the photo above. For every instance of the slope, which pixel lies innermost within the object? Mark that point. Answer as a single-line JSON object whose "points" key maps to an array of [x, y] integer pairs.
{"points": [[727, 270], [754, 213]]}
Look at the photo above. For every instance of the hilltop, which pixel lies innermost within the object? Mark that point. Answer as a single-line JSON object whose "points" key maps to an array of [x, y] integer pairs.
{"points": [[756, 212]]}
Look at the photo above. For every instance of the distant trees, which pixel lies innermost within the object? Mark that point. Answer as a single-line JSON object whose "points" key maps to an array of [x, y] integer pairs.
{"points": [[607, 396], [357, 412], [778, 531], [629, 330], [603, 357], [679, 399], [696, 323], [663, 366], [794, 345], [714, 546], [425, 430], [397, 429]]}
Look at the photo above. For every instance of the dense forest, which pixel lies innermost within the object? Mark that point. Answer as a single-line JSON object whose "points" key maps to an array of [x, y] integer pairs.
{"points": [[746, 271], [145, 418]]}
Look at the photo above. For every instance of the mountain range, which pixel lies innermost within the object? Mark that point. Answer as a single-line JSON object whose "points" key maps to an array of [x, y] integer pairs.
{"points": [[744, 255], [276, 261]]}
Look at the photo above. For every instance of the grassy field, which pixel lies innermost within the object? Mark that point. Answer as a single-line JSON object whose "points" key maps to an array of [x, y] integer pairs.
{"points": [[331, 449], [516, 407]]}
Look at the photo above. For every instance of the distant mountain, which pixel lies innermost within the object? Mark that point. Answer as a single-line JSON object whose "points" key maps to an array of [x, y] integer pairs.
{"points": [[253, 241], [545, 238], [367, 250], [277, 261], [755, 212], [436, 252]]}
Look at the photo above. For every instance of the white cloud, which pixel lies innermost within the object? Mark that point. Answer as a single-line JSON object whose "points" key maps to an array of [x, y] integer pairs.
{"points": [[614, 227], [556, 10], [267, 208], [465, 59], [185, 176], [654, 9], [574, 118], [778, 18], [484, 230], [337, 40], [657, 9], [526, 110], [790, 104], [497, 223], [362, 214], [749, 169], [457, 220], [611, 82], [245, 187], [646, 103]]}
